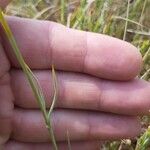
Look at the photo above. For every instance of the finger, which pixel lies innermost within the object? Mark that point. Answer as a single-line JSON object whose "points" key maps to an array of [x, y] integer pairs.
{"points": [[45, 43], [6, 108], [6, 97], [80, 91], [88, 145], [28, 126], [5, 65]]}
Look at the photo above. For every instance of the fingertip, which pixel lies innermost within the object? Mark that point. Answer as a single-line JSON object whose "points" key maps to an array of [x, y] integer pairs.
{"points": [[136, 127], [132, 63], [118, 127], [142, 100], [111, 58]]}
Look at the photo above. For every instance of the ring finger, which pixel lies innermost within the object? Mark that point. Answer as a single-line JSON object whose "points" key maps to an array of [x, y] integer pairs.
{"points": [[29, 126]]}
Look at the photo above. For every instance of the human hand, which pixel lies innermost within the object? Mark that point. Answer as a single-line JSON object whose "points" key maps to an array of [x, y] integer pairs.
{"points": [[99, 99]]}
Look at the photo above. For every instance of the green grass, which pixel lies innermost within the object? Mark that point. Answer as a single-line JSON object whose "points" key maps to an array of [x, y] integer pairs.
{"points": [[117, 18]]}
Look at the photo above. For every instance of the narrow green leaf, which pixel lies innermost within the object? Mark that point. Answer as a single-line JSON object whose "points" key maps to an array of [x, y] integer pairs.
{"points": [[32, 80]]}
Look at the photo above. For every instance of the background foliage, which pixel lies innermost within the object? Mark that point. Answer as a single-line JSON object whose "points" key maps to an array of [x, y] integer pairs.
{"points": [[125, 19]]}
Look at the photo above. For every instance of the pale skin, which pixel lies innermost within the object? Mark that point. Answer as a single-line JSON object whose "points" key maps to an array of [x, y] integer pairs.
{"points": [[100, 97]]}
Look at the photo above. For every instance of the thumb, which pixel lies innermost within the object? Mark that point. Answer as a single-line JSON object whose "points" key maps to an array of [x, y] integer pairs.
{"points": [[3, 3]]}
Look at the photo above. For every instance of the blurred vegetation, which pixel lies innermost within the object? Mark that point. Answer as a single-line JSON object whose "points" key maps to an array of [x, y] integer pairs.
{"points": [[125, 19]]}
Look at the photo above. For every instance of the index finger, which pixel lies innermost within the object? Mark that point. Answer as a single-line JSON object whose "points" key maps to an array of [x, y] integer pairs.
{"points": [[44, 43]]}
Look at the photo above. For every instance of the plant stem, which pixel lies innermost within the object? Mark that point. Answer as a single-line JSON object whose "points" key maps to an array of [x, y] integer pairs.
{"points": [[126, 24], [33, 80]]}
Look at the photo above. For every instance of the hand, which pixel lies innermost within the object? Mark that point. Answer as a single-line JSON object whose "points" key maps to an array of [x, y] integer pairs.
{"points": [[99, 99]]}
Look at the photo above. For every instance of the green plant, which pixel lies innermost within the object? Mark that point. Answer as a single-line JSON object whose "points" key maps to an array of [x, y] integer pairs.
{"points": [[33, 81]]}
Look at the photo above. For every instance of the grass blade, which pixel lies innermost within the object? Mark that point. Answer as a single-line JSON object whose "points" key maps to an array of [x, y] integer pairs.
{"points": [[68, 141], [63, 11], [126, 24], [32, 79], [144, 141], [55, 85]]}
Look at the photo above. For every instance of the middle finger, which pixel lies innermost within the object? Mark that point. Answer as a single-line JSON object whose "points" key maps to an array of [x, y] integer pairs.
{"points": [[79, 91]]}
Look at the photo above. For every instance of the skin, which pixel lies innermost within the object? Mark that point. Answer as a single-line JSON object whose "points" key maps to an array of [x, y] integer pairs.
{"points": [[100, 97]]}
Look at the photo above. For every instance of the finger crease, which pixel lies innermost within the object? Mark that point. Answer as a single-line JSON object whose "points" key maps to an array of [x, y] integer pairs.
{"points": [[51, 28], [85, 54]]}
